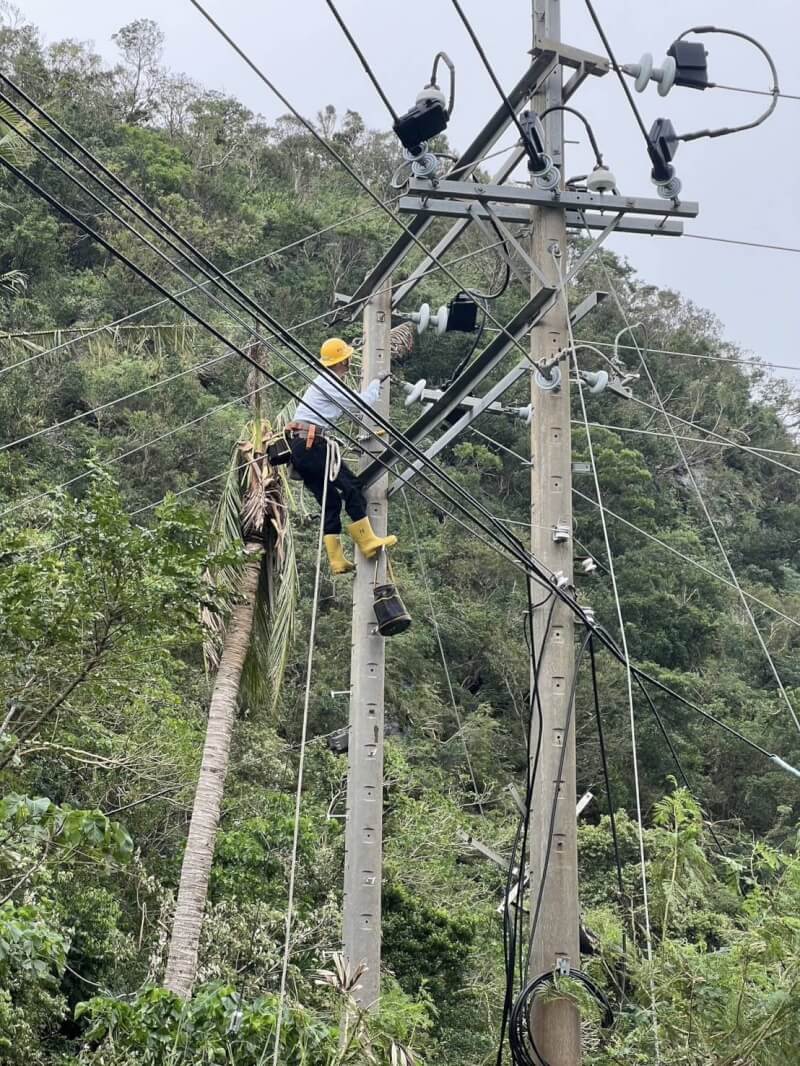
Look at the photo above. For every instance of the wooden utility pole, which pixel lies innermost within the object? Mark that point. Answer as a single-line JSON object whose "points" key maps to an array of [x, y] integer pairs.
{"points": [[364, 826], [556, 941]]}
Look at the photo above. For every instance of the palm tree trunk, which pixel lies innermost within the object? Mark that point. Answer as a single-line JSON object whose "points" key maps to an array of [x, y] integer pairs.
{"points": [[197, 859]]}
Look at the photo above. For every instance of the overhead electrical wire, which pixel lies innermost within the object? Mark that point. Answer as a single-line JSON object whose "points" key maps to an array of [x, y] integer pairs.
{"points": [[744, 244], [628, 667], [490, 70], [86, 334], [691, 440], [364, 185], [280, 332], [363, 60], [701, 500], [508, 543], [686, 558], [732, 359], [612, 58], [511, 543]]}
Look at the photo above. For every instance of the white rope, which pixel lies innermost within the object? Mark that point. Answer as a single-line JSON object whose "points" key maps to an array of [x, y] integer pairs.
{"points": [[628, 671], [446, 668], [701, 499], [301, 768]]}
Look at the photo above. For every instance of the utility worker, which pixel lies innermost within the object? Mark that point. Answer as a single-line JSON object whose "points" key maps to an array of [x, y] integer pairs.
{"points": [[322, 404]]}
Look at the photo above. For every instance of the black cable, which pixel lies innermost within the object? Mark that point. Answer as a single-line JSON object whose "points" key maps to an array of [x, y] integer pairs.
{"points": [[513, 939], [470, 352], [272, 323], [774, 93], [363, 60], [618, 72], [452, 68], [598, 155], [675, 757], [612, 816], [508, 541], [363, 184], [521, 1030], [490, 71]]}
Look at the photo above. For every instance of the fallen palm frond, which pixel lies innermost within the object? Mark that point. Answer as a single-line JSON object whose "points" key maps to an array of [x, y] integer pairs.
{"points": [[253, 511], [12, 147]]}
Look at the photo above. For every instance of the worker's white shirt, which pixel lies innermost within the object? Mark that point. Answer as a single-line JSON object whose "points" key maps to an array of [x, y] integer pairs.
{"points": [[324, 402]]}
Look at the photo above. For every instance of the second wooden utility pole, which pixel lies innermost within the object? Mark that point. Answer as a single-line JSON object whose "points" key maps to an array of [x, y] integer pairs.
{"points": [[364, 826], [556, 1023]]}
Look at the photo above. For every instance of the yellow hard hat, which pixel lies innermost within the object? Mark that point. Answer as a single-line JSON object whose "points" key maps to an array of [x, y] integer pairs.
{"points": [[334, 351]]}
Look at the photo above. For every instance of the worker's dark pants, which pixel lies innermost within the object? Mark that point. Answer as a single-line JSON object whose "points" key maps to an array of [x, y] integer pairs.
{"points": [[310, 465]]}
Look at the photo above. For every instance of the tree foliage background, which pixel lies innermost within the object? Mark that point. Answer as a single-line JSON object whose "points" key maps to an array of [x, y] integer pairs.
{"points": [[101, 671]]}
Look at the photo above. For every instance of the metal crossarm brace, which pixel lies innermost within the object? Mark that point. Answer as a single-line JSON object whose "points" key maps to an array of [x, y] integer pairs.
{"points": [[444, 189], [485, 402], [541, 67], [514, 159], [473, 375], [511, 215]]}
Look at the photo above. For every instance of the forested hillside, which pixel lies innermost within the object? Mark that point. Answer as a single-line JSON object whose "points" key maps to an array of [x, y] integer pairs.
{"points": [[115, 456]]}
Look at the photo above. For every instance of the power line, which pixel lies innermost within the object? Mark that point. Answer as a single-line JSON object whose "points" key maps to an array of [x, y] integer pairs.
{"points": [[691, 440], [744, 244], [686, 558], [490, 70], [701, 499], [720, 437], [344, 164], [363, 60], [753, 92], [628, 671], [618, 72], [699, 355]]}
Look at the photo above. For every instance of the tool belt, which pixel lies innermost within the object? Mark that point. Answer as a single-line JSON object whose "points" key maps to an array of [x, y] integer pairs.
{"points": [[307, 431]]}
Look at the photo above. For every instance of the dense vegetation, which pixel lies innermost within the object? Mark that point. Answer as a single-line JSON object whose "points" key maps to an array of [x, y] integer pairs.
{"points": [[105, 694]]}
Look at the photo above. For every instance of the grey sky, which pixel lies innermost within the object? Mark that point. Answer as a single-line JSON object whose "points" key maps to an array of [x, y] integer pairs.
{"points": [[747, 184]]}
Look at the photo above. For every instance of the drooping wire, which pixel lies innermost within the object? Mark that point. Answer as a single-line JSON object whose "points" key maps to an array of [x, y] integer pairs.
{"points": [[448, 62], [598, 155], [437, 633], [774, 92], [623, 636], [287, 948], [701, 500]]}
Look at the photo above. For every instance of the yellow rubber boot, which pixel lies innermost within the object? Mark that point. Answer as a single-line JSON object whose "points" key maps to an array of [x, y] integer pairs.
{"points": [[333, 546], [365, 537]]}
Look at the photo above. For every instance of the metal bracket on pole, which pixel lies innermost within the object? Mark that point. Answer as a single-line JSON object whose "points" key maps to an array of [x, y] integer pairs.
{"points": [[478, 217], [512, 240], [540, 69], [485, 403], [513, 215], [477, 370]]}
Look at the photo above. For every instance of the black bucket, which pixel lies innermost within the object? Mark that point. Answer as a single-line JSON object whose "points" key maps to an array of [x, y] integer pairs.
{"points": [[390, 611], [278, 451]]}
